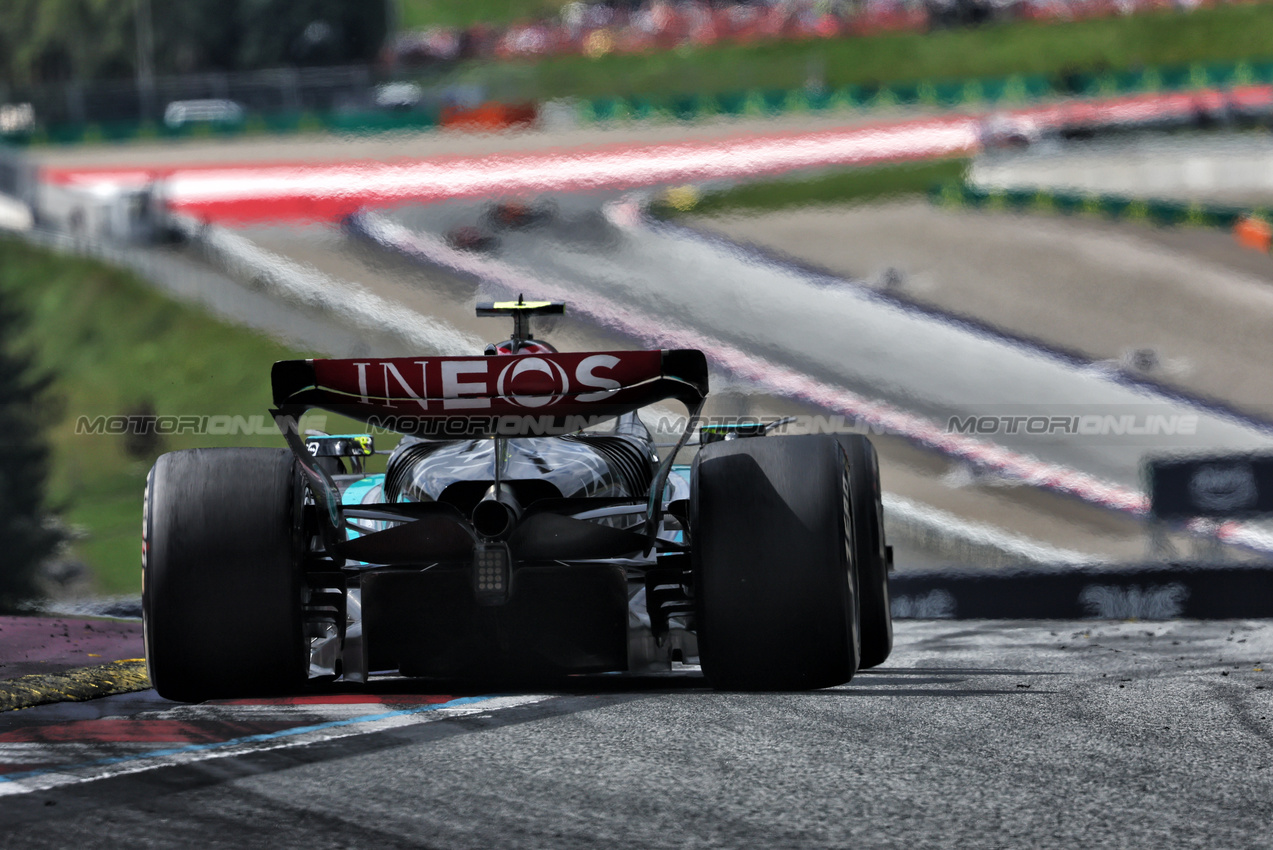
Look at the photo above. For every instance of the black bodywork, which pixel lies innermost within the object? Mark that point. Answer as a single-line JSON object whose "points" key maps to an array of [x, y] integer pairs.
{"points": [[495, 555]]}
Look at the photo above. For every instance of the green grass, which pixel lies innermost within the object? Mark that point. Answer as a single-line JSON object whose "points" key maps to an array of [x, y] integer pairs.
{"points": [[1223, 34], [418, 14], [854, 185], [114, 345]]}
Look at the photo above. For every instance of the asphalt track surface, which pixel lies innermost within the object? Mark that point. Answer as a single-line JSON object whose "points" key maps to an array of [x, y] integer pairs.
{"points": [[975, 734]]}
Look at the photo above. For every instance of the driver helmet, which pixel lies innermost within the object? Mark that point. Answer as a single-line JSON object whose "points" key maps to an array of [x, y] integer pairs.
{"points": [[525, 346]]}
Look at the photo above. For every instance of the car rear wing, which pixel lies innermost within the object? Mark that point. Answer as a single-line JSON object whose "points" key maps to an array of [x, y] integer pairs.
{"points": [[487, 396], [526, 395]]}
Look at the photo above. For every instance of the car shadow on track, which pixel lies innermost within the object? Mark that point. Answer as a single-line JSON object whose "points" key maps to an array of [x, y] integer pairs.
{"points": [[564, 686], [879, 681]]}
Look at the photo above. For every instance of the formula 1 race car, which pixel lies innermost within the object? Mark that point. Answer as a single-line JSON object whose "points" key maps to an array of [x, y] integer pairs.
{"points": [[526, 526]]}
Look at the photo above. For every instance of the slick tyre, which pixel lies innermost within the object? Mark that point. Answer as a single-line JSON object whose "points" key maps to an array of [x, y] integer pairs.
{"points": [[870, 552], [221, 598], [773, 566]]}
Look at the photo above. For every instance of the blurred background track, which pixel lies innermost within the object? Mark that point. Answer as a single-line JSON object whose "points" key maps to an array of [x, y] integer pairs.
{"points": [[1201, 302], [1181, 309]]}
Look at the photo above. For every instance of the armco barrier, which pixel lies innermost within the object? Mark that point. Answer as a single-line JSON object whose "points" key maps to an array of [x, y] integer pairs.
{"points": [[1146, 592], [1163, 213], [1014, 90]]}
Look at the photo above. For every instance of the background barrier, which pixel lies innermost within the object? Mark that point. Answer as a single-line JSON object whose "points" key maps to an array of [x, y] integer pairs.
{"points": [[1014, 90], [1249, 224], [1144, 592]]}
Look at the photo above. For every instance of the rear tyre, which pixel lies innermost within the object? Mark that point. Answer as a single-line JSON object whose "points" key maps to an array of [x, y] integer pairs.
{"points": [[774, 578], [870, 553], [221, 598]]}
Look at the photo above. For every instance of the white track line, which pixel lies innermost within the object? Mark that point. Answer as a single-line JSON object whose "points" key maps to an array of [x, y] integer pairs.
{"points": [[146, 757]]}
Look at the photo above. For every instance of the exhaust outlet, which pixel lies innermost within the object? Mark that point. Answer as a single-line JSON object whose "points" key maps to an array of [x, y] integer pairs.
{"points": [[497, 513]]}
